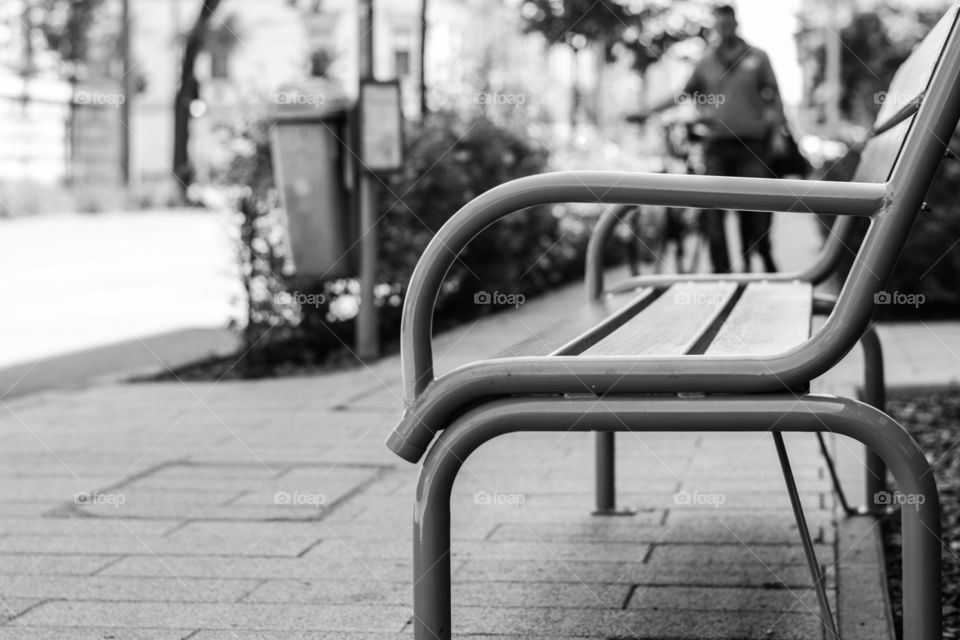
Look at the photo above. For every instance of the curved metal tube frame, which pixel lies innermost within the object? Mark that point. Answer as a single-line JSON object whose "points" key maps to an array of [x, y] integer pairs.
{"points": [[825, 265], [781, 413], [893, 207]]}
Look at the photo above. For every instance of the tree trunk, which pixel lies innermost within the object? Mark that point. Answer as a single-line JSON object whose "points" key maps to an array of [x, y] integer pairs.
{"points": [[424, 109], [188, 91]]}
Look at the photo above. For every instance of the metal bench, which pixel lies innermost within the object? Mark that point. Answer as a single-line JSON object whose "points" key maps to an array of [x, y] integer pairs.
{"points": [[727, 353]]}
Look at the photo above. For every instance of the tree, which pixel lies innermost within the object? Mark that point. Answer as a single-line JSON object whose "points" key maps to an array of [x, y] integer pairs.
{"points": [[424, 109], [617, 27], [188, 91], [646, 30], [874, 44]]}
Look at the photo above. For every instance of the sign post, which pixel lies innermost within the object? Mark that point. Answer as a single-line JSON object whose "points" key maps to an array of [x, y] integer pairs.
{"points": [[368, 343]]}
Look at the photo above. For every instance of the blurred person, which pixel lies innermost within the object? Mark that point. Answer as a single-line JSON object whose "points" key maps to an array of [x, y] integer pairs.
{"points": [[737, 98]]}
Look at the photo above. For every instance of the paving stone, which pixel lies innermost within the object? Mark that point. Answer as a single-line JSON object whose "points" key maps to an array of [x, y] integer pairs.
{"points": [[11, 608], [692, 527], [123, 615], [308, 568], [734, 554], [727, 599], [91, 633], [23, 564], [635, 624], [757, 575], [149, 545], [173, 588]]}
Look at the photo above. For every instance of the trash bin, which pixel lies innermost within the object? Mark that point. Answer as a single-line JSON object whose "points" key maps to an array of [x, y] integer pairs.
{"points": [[314, 175]]}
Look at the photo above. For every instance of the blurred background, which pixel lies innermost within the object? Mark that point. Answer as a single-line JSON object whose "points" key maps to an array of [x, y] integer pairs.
{"points": [[141, 219]]}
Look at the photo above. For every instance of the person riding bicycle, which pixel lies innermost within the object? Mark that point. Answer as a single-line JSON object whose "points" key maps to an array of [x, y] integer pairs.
{"points": [[737, 97]]}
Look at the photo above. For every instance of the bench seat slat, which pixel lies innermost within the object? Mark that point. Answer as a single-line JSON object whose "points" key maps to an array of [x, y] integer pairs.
{"points": [[672, 324], [768, 318], [585, 320]]}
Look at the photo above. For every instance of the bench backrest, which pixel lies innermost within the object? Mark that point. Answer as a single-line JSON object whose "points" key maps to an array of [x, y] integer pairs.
{"points": [[913, 129], [901, 102]]}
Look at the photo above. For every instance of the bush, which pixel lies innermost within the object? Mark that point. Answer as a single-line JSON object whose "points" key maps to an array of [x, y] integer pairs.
{"points": [[449, 161], [930, 263]]}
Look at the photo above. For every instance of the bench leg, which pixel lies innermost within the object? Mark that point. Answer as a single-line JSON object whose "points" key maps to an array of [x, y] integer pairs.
{"points": [[874, 394], [431, 544], [920, 520], [606, 472]]}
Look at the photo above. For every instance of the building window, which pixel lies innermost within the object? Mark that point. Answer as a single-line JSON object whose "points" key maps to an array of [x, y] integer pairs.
{"points": [[401, 59], [219, 63]]}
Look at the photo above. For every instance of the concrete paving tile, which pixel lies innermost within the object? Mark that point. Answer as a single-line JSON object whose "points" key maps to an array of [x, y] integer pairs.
{"points": [[540, 570], [149, 545], [635, 624], [112, 588], [232, 567], [12, 607], [695, 527], [726, 599], [21, 564], [492, 594], [733, 554], [124, 615], [90, 633]]}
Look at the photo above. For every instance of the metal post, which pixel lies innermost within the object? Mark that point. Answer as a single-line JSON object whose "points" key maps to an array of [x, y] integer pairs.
{"points": [[606, 473], [874, 394], [368, 343], [128, 90]]}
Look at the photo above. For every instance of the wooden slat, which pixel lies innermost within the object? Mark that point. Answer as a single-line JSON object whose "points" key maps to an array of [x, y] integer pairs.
{"points": [[913, 76], [580, 324], [672, 324], [768, 318], [910, 83]]}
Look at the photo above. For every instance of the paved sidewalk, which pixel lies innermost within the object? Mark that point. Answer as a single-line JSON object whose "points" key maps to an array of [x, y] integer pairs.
{"points": [[271, 509]]}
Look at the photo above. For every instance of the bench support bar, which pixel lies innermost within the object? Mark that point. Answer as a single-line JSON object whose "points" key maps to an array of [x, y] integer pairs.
{"points": [[775, 412], [819, 579]]}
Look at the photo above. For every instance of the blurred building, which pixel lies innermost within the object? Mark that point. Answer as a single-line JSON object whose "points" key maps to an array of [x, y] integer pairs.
{"points": [[478, 59]]}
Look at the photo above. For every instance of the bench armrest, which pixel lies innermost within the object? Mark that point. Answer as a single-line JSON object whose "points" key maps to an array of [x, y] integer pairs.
{"points": [[825, 264], [757, 194]]}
